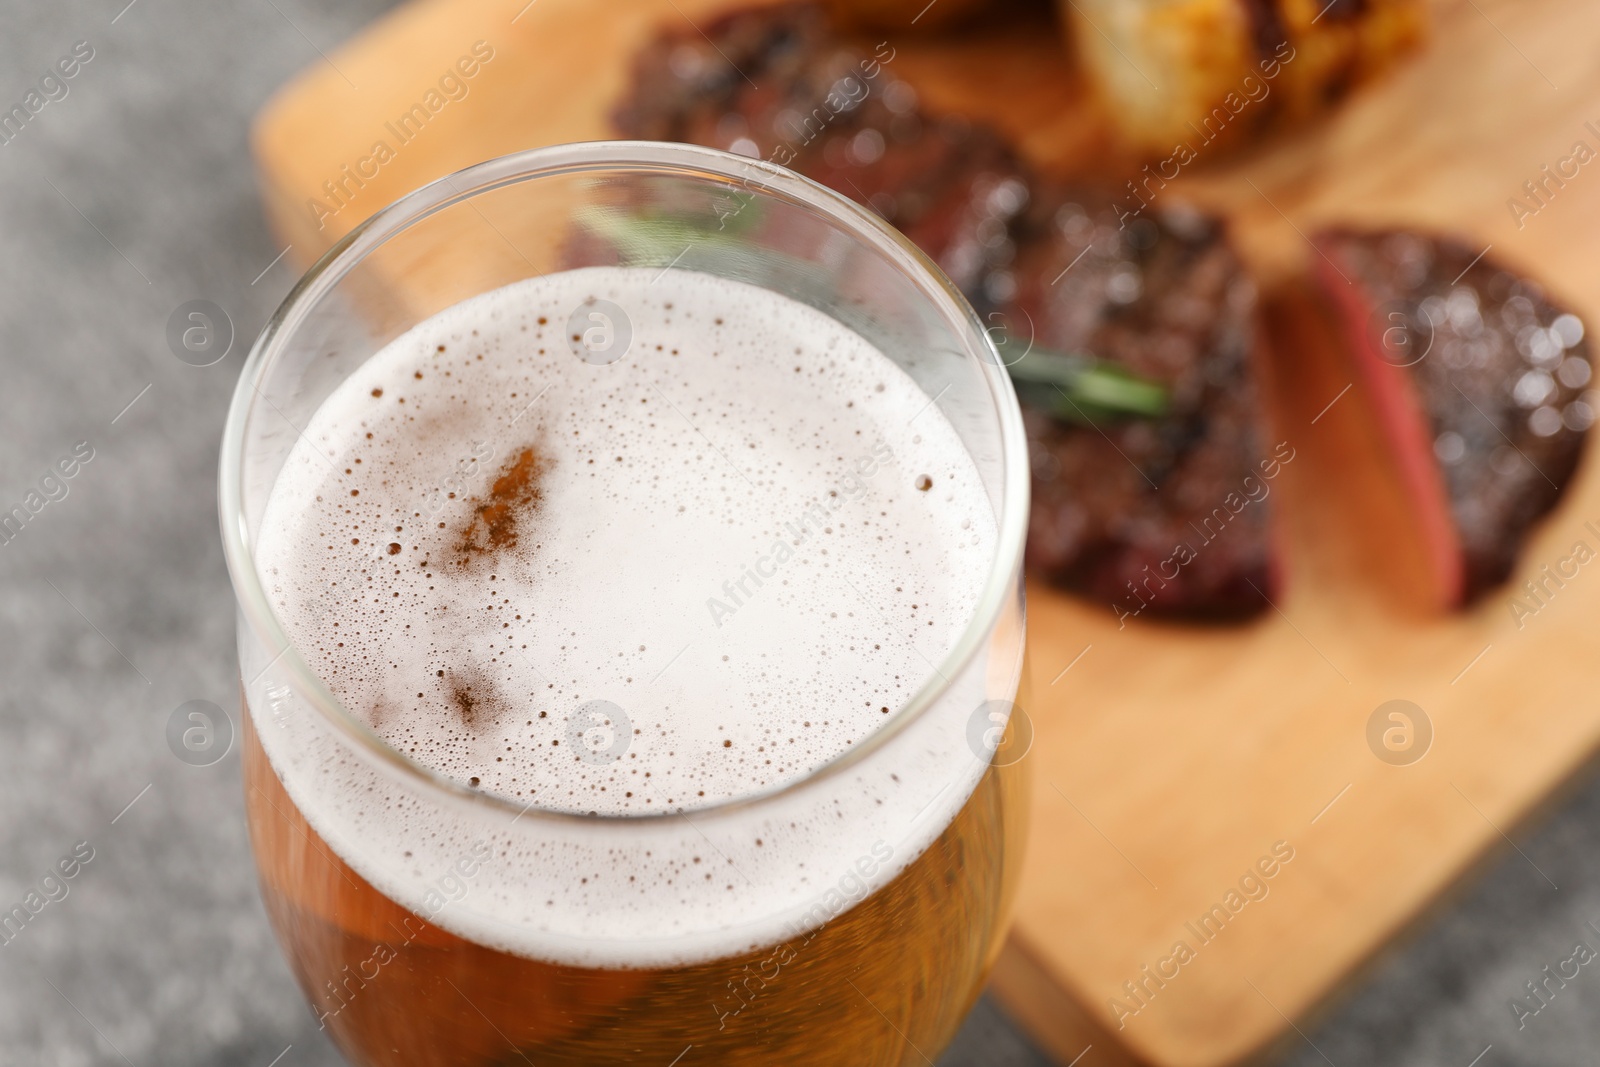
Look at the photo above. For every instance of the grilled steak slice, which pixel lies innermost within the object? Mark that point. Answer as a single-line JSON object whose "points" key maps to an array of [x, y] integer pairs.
{"points": [[1159, 516], [1482, 385], [779, 84], [1152, 516]]}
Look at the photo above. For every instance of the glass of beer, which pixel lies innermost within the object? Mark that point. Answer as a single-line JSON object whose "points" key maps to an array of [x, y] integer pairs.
{"points": [[627, 540]]}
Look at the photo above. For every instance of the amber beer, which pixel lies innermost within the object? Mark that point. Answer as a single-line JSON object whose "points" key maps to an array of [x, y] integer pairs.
{"points": [[629, 650], [886, 981]]}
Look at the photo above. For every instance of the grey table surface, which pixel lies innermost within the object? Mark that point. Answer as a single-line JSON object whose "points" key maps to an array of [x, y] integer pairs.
{"points": [[133, 194]]}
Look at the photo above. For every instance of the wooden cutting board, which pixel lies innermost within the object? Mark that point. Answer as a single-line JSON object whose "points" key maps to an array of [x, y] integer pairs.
{"points": [[1170, 760]]}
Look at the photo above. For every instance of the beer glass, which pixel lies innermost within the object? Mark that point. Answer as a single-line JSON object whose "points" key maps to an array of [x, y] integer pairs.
{"points": [[856, 908]]}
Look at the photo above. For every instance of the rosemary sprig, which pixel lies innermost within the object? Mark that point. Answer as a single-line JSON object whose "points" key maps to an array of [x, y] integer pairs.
{"points": [[1083, 389], [1073, 387], [650, 238]]}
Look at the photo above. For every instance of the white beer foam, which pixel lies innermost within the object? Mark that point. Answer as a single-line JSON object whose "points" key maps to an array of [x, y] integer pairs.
{"points": [[753, 538]]}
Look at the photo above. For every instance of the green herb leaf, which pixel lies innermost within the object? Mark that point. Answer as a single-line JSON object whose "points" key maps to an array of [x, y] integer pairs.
{"points": [[1081, 388], [1074, 387], [652, 238]]}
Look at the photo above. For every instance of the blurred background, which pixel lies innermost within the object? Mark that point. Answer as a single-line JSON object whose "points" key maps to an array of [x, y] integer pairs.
{"points": [[123, 200]]}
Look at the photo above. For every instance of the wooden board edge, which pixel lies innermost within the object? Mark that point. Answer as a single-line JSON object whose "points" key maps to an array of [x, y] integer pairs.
{"points": [[1035, 999]]}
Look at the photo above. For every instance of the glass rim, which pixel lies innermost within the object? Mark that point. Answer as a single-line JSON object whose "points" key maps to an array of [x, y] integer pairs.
{"points": [[668, 158]]}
